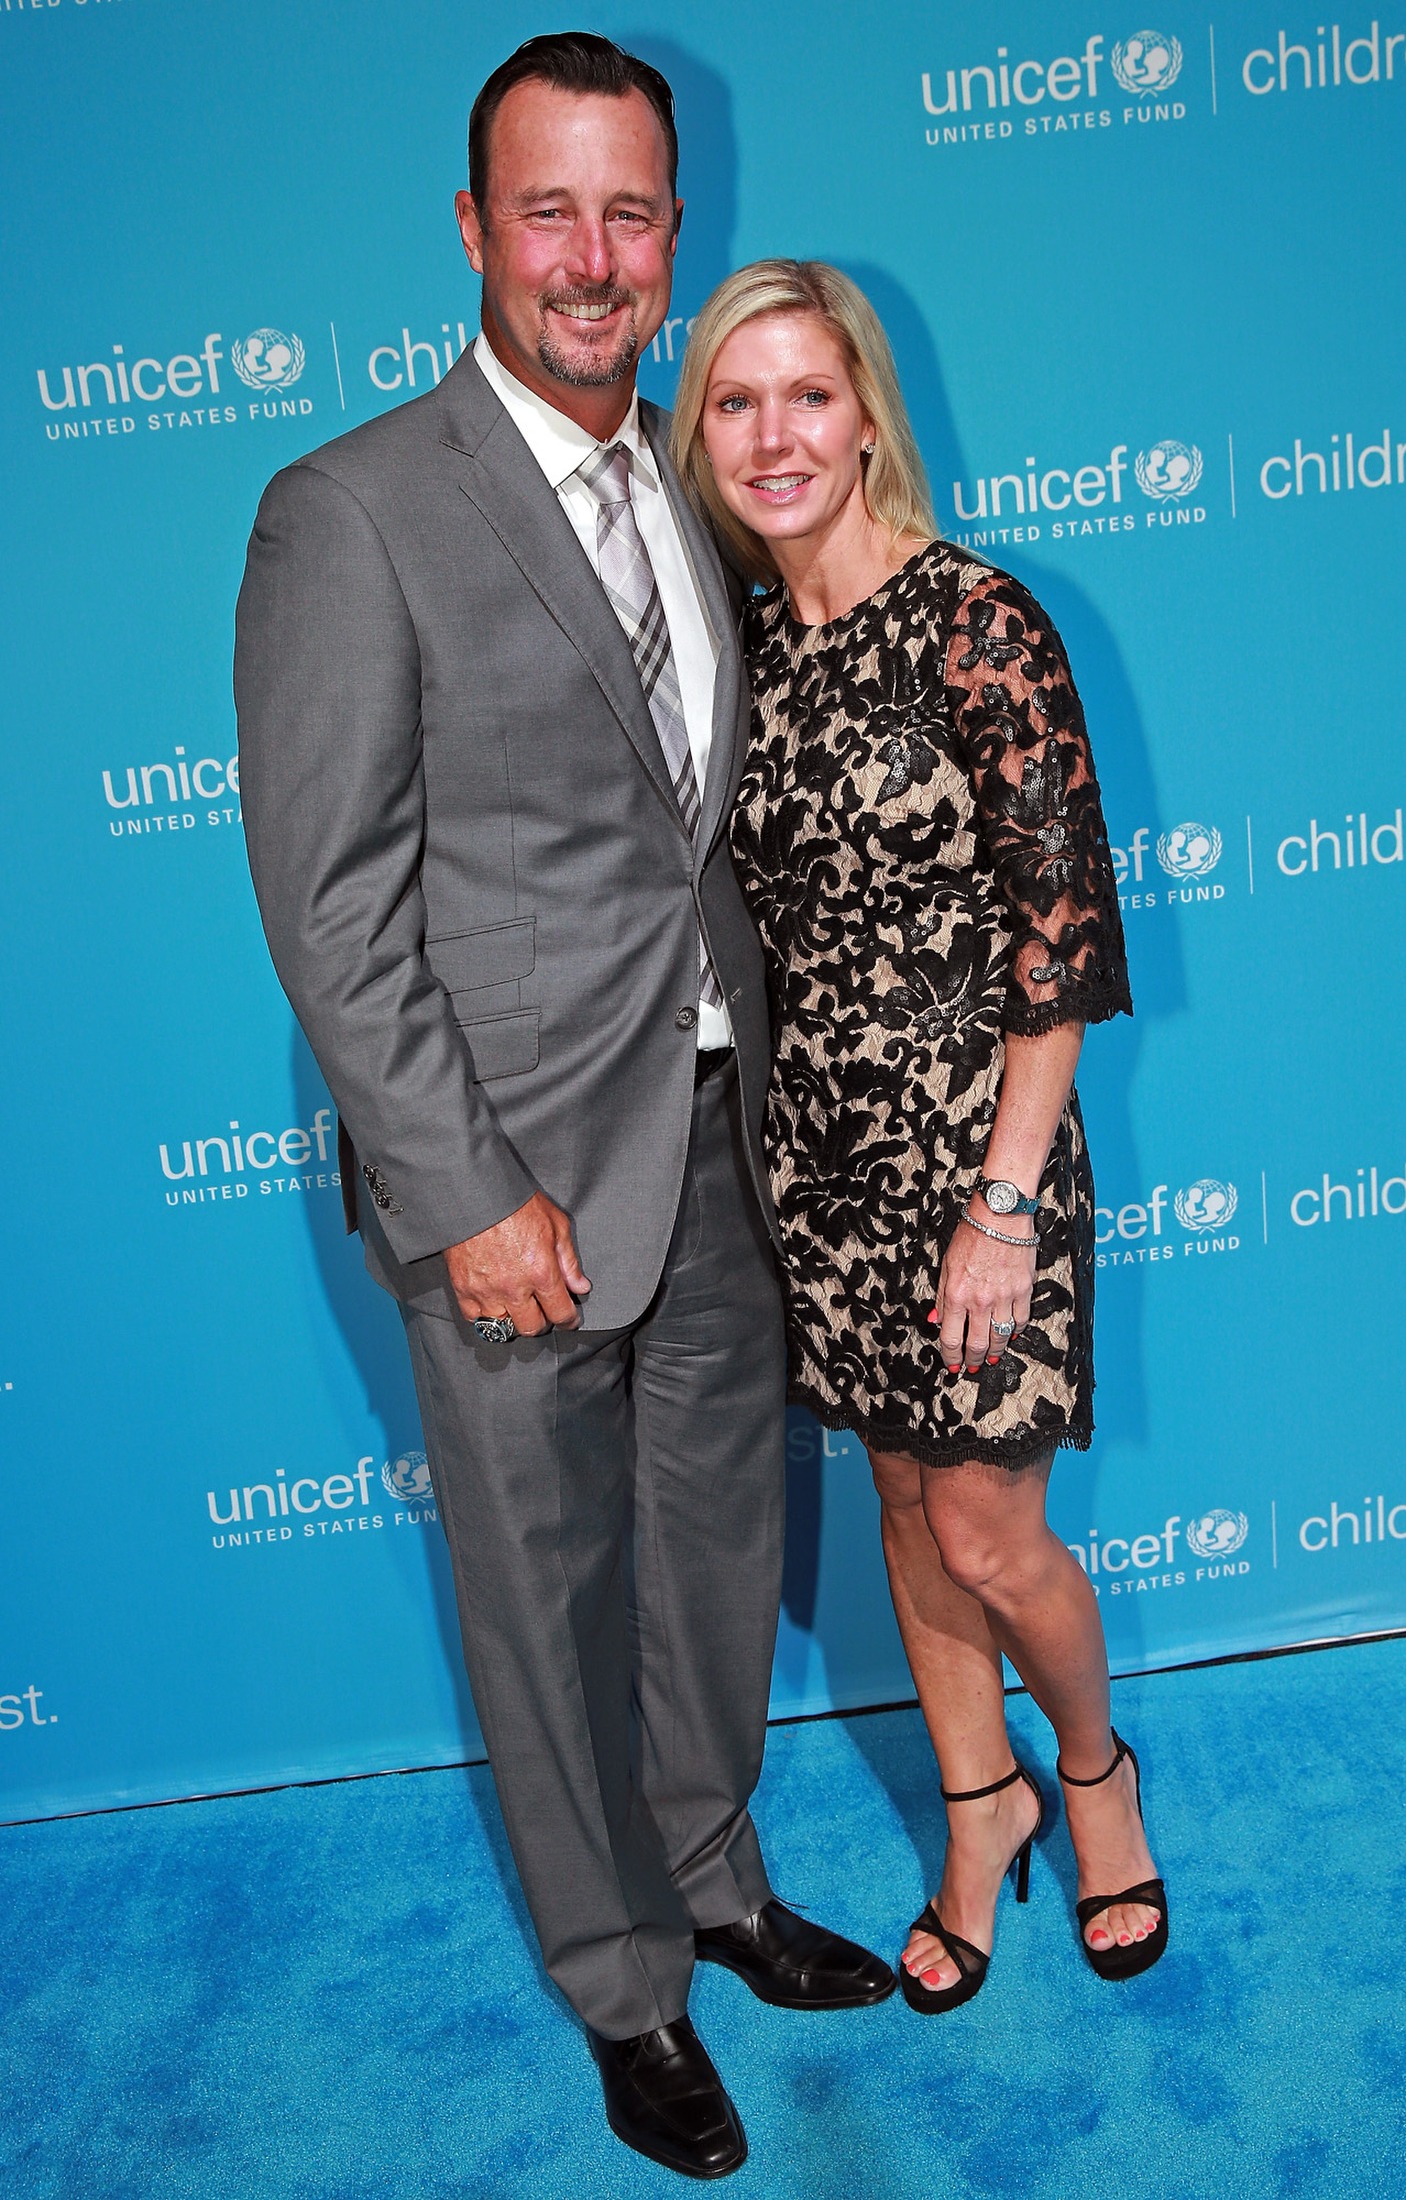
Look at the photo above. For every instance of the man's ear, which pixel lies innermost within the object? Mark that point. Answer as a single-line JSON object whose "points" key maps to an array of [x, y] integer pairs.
{"points": [[470, 228], [678, 225]]}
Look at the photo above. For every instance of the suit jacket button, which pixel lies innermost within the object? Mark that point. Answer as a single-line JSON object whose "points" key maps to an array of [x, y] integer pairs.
{"points": [[685, 1018]]}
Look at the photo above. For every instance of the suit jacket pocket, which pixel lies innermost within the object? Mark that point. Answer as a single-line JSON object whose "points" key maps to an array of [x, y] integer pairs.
{"points": [[502, 1046], [492, 954]]}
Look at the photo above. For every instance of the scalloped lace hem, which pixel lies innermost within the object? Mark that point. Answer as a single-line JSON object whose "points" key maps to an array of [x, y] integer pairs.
{"points": [[1092, 1005], [999, 1451]]}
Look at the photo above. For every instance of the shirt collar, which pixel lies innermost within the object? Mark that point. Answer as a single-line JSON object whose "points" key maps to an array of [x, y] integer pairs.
{"points": [[559, 446]]}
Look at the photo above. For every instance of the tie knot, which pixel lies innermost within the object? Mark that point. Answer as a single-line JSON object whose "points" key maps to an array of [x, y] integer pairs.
{"points": [[607, 475]]}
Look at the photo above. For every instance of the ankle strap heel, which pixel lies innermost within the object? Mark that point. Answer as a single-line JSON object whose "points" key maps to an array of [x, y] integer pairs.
{"points": [[1115, 1962], [970, 1962], [1020, 1862], [994, 1787], [1121, 1749]]}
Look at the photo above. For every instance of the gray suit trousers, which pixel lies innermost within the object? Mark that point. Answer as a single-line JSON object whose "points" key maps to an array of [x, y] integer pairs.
{"points": [[613, 1501]]}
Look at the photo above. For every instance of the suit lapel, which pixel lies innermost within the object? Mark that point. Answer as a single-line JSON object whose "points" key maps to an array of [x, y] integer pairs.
{"points": [[730, 712], [503, 481]]}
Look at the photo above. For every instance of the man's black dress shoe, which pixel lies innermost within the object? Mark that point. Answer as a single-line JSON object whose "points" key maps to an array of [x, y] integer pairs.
{"points": [[664, 2098], [796, 1965]]}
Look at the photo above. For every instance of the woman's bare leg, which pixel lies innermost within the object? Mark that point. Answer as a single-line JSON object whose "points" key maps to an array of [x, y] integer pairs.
{"points": [[990, 1528], [990, 1548], [956, 1669]]}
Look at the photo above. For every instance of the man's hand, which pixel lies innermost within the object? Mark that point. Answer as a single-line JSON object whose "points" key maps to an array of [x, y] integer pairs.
{"points": [[525, 1266]]}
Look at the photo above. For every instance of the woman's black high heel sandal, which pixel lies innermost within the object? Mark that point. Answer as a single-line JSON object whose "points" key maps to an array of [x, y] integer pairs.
{"points": [[1113, 1961], [930, 2001]]}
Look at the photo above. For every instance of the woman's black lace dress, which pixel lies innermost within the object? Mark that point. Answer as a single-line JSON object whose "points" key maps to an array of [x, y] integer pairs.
{"points": [[921, 843]]}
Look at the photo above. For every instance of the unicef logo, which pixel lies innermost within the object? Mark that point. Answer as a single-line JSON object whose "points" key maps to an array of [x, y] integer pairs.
{"points": [[1168, 469], [1217, 1534], [408, 1477], [268, 360], [1149, 61], [1189, 851], [1206, 1205]]}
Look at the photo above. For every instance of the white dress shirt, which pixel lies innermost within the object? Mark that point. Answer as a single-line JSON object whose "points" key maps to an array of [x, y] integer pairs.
{"points": [[561, 448]]}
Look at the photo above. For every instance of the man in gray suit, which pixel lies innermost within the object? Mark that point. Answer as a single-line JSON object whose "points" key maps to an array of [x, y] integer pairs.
{"points": [[492, 717]]}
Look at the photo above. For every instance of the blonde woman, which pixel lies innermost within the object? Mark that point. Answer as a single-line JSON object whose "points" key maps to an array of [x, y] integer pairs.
{"points": [[920, 838]]}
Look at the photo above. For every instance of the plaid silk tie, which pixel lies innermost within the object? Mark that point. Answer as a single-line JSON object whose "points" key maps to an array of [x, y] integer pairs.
{"points": [[628, 580]]}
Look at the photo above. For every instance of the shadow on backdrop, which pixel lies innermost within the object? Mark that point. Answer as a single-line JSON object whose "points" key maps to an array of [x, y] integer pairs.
{"points": [[707, 179]]}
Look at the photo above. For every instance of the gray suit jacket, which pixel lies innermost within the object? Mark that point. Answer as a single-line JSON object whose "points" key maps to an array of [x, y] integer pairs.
{"points": [[472, 872]]}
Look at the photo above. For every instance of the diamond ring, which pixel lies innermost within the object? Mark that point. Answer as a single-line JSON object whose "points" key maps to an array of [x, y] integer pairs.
{"points": [[1003, 1329]]}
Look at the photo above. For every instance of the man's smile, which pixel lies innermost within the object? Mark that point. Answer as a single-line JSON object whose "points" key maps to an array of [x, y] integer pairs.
{"points": [[588, 312]]}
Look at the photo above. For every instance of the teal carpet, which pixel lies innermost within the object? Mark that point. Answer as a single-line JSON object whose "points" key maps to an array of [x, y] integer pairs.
{"points": [[327, 1993]]}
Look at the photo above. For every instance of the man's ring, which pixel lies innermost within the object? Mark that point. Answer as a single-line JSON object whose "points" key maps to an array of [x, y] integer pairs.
{"points": [[496, 1329], [1003, 1329]]}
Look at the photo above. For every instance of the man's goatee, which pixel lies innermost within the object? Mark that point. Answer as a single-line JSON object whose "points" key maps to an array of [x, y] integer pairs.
{"points": [[587, 374]]}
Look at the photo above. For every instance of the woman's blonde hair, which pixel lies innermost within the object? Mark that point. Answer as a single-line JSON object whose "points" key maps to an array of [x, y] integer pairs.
{"points": [[895, 481]]}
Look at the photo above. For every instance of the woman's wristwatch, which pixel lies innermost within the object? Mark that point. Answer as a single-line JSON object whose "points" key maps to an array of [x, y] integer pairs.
{"points": [[1004, 1198]]}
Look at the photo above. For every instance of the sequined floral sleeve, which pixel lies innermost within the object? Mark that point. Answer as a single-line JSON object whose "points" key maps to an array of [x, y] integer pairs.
{"points": [[1020, 727]]}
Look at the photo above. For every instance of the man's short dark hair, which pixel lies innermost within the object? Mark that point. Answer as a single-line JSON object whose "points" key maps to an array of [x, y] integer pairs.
{"points": [[570, 61]]}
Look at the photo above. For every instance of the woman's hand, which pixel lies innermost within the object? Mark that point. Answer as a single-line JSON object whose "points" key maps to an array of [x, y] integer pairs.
{"points": [[982, 1286]]}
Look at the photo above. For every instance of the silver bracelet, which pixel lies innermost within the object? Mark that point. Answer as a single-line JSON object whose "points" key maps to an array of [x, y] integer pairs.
{"points": [[1002, 1237]]}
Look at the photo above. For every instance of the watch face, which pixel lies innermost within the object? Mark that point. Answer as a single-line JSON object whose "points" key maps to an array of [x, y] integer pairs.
{"points": [[1001, 1198]]}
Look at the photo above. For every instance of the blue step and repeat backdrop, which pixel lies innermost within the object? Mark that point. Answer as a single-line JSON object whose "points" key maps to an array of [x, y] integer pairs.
{"points": [[1144, 286]]}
